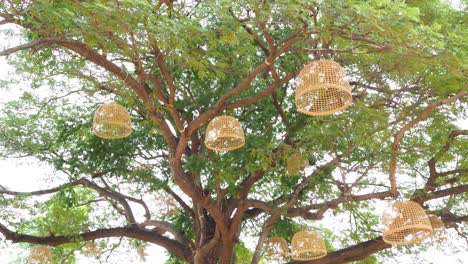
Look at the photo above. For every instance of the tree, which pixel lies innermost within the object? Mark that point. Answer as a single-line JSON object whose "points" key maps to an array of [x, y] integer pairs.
{"points": [[178, 64]]}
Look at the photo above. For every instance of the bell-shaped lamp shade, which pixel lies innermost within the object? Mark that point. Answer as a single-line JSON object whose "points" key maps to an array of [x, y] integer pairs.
{"points": [[296, 163], [40, 255], [224, 133], [307, 245], [91, 249], [322, 89], [440, 231], [276, 249], [112, 121], [405, 223]]}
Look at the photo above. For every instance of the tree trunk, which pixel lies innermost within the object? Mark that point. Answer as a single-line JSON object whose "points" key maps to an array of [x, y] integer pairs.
{"points": [[227, 252]]}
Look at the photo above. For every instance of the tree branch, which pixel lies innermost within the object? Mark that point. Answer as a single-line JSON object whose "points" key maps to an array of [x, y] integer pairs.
{"points": [[421, 117], [177, 248], [36, 43], [121, 198]]}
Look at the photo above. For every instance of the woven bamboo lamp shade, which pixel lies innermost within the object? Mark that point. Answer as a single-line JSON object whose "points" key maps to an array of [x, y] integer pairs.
{"points": [[307, 245], [112, 121], [141, 251], [91, 249], [322, 89], [168, 205], [440, 231], [40, 255], [406, 223], [296, 163], [276, 249], [224, 133]]}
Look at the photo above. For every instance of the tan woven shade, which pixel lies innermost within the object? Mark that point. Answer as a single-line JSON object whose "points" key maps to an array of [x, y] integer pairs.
{"points": [[112, 121], [296, 164], [307, 245], [276, 249], [405, 223], [141, 251], [167, 204], [224, 133], [40, 255], [322, 88], [440, 231], [91, 249]]}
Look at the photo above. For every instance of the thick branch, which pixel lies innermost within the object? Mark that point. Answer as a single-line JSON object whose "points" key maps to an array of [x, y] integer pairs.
{"points": [[421, 117], [423, 197], [267, 92], [353, 253], [168, 227], [32, 44], [131, 232], [364, 249], [122, 199]]}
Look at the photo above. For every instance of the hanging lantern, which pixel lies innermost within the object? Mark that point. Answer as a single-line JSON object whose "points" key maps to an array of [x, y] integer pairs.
{"points": [[296, 164], [307, 245], [322, 89], [91, 249], [141, 251], [40, 255], [405, 223], [112, 121], [224, 133], [167, 204], [440, 231], [276, 249]]}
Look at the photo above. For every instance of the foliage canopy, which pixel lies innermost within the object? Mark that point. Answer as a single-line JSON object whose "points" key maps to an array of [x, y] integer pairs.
{"points": [[175, 65]]}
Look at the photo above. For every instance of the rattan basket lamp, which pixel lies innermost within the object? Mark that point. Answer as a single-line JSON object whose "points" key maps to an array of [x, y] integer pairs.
{"points": [[112, 121], [224, 133], [276, 249], [40, 255], [322, 89], [296, 163], [405, 223], [91, 249], [440, 231], [307, 245], [141, 251]]}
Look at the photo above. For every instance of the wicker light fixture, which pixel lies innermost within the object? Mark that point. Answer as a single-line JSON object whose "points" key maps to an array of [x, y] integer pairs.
{"points": [[91, 249], [405, 223], [296, 163], [440, 231], [141, 251], [276, 249], [307, 245], [224, 133], [40, 255], [112, 121], [322, 88]]}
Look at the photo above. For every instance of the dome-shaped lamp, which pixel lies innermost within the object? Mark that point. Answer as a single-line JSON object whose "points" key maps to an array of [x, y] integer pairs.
{"points": [[440, 231], [112, 121], [40, 255], [141, 251], [405, 223], [296, 163], [224, 133], [276, 249], [322, 89], [307, 245], [91, 249]]}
